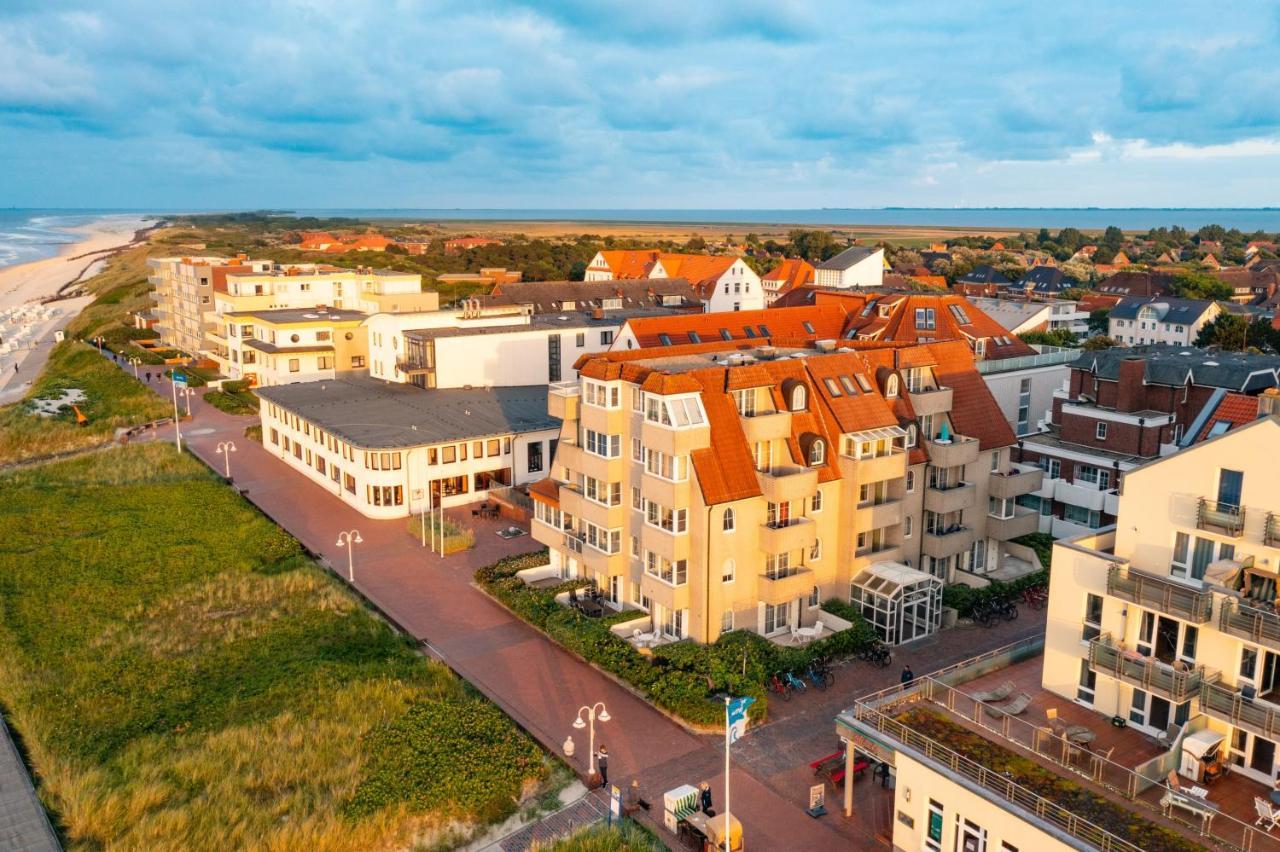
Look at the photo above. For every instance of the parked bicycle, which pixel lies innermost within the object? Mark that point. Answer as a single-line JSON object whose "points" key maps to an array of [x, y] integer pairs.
{"points": [[821, 676], [1036, 597], [795, 683], [877, 654], [777, 684]]}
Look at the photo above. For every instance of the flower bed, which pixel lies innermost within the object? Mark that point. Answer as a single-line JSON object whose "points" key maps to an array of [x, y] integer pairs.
{"points": [[685, 678], [457, 538], [1072, 796]]}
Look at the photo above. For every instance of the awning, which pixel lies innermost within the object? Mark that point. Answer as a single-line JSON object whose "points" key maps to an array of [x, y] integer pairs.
{"points": [[882, 433]]}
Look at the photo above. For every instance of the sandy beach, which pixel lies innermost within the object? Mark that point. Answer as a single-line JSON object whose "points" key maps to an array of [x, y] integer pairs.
{"points": [[41, 279]]}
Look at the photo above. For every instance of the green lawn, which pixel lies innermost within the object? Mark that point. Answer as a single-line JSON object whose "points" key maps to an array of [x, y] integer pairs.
{"points": [[624, 836], [185, 684]]}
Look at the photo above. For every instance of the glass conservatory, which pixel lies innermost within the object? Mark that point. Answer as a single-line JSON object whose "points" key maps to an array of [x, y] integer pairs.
{"points": [[900, 603]]}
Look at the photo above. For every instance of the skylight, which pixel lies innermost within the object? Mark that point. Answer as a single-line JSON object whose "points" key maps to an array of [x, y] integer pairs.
{"points": [[725, 335], [664, 339], [694, 338], [960, 315], [808, 326], [847, 383], [832, 387]]}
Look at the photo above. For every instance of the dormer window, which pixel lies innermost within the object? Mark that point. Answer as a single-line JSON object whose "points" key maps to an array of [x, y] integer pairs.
{"points": [[799, 400], [817, 453], [891, 386]]}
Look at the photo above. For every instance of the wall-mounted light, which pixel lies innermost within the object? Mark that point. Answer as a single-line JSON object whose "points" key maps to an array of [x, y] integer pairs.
{"points": [[906, 794]]}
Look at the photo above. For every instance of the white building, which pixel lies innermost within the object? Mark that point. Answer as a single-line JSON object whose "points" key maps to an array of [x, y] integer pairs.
{"points": [[724, 282], [858, 266], [391, 450], [1023, 386], [1137, 320]]}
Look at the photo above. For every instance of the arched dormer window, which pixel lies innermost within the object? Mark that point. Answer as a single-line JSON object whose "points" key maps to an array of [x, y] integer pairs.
{"points": [[817, 453], [799, 397], [729, 521], [891, 386], [911, 435]]}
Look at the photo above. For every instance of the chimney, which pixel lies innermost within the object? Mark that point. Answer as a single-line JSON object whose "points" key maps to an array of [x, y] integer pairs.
{"points": [[1129, 387]]}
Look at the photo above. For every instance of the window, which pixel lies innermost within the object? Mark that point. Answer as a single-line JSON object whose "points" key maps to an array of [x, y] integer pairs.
{"points": [[815, 597], [817, 453], [995, 462], [553, 358], [1087, 685], [357, 361], [815, 502], [726, 621], [1092, 617], [581, 340], [670, 468], [664, 338], [694, 337], [676, 573], [832, 387], [775, 618], [925, 318], [729, 572], [891, 386], [600, 444], [606, 337], [1100, 431], [799, 397], [908, 526], [815, 551], [728, 523], [1181, 547], [911, 481], [294, 365]]}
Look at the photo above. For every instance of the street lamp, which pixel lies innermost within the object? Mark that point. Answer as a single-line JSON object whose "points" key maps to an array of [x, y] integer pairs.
{"points": [[135, 361], [349, 540], [226, 448], [187, 393], [99, 340], [590, 723]]}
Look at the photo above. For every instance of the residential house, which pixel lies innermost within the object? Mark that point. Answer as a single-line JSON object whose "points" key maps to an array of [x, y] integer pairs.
{"points": [[1139, 320], [1045, 282], [856, 266], [275, 346], [458, 245], [723, 282], [982, 280], [791, 272]]}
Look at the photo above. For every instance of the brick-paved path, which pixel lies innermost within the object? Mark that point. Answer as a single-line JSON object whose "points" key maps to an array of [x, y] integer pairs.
{"points": [[23, 822], [542, 686]]}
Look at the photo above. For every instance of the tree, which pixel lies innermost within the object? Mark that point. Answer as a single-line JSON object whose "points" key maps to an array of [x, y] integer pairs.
{"points": [[1191, 284], [907, 259], [1112, 238], [1057, 337], [814, 246], [1098, 320], [696, 243], [1227, 331], [578, 270], [1097, 342]]}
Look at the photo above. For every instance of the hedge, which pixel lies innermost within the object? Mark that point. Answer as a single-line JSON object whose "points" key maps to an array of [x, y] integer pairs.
{"points": [[685, 678]]}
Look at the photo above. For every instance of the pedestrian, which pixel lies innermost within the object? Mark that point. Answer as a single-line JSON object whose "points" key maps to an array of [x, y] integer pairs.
{"points": [[704, 799], [602, 765], [148, 377], [907, 675]]}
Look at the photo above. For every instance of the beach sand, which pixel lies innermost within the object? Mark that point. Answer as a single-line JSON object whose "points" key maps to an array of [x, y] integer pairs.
{"points": [[41, 279]]}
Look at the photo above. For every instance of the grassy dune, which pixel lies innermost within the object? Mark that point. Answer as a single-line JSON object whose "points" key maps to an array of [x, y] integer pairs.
{"points": [[188, 684]]}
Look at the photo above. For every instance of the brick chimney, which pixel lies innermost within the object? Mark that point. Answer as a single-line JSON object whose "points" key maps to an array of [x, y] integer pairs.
{"points": [[1130, 395]]}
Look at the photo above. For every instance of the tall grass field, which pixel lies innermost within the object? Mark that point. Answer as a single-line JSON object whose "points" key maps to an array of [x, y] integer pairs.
{"points": [[183, 678]]}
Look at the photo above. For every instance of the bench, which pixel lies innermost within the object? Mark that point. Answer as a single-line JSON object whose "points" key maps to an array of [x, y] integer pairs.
{"points": [[1205, 810], [832, 767]]}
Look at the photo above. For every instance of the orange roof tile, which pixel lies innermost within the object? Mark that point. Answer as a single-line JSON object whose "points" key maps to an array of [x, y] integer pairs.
{"points": [[791, 272], [1235, 409], [546, 491], [826, 322], [974, 411]]}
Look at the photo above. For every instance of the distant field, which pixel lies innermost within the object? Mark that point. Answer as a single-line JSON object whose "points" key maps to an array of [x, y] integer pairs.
{"points": [[906, 234], [184, 679]]}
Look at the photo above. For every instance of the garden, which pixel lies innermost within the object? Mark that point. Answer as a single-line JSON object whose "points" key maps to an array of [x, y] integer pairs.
{"points": [[1065, 792], [965, 599], [189, 685], [234, 397], [457, 538], [686, 679]]}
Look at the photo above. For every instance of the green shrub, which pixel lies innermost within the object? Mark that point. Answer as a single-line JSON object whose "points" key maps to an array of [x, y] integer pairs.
{"points": [[684, 678]]}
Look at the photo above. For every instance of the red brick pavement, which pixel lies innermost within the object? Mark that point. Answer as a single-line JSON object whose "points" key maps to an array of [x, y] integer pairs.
{"points": [[542, 686]]}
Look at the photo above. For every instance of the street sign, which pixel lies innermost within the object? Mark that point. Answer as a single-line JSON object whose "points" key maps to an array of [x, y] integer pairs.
{"points": [[180, 379]]}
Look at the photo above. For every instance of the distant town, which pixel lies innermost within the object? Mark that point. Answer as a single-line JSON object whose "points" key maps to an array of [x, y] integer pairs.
{"points": [[670, 537]]}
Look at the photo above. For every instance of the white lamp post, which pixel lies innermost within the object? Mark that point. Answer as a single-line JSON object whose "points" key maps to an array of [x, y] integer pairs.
{"points": [[590, 724], [226, 448], [135, 361], [187, 393], [349, 540]]}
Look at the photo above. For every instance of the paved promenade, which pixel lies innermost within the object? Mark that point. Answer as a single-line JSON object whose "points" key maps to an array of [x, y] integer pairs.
{"points": [[542, 686]]}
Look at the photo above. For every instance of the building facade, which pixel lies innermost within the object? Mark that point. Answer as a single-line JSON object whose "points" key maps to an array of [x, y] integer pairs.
{"points": [[1167, 620], [856, 266], [723, 282], [183, 289], [1138, 320], [391, 450], [719, 488]]}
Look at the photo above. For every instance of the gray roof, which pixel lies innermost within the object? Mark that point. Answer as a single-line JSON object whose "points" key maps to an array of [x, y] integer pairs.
{"points": [[383, 415], [848, 258], [301, 314], [548, 297], [568, 321], [983, 274], [1169, 309], [1172, 365], [272, 349], [1047, 279]]}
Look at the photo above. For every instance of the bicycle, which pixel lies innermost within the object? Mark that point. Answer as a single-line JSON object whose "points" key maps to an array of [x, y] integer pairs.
{"points": [[778, 685], [877, 655], [1036, 597], [1007, 609], [795, 683], [985, 613], [821, 676]]}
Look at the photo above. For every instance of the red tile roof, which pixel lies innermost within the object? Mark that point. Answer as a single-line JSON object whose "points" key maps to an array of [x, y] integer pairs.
{"points": [[546, 491], [1235, 409], [827, 322], [974, 411], [791, 272]]}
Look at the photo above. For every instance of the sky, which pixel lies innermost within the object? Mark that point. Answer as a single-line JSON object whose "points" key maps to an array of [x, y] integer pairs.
{"points": [[655, 104]]}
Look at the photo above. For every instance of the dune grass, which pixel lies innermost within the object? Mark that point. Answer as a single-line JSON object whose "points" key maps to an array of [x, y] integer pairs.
{"points": [[182, 684], [622, 836], [457, 538]]}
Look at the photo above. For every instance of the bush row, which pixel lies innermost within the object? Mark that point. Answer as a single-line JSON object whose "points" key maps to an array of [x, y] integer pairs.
{"points": [[964, 599], [685, 678]]}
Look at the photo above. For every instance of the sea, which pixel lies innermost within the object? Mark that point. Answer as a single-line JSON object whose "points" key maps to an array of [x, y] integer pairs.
{"points": [[27, 234]]}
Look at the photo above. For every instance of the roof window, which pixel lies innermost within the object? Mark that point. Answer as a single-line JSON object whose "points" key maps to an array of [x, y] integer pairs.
{"points": [[832, 387]]}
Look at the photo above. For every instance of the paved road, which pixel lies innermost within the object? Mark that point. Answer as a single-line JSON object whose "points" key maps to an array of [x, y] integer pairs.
{"points": [[542, 686]]}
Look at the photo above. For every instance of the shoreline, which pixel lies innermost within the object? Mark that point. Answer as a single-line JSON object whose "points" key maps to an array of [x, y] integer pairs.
{"points": [[47, 278]]}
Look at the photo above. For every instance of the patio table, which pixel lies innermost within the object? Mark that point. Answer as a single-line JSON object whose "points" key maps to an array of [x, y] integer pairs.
{"points": [[1080, 735]]}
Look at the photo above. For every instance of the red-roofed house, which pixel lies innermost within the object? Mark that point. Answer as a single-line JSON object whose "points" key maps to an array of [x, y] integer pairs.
{"points": [[791, 272], [458, 245], [723, 282]]}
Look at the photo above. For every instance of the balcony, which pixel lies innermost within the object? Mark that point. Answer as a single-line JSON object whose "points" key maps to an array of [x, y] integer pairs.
{"points": [[1160, 593], [874, 516], [780, 590], [874, 468], [940, 545], [1016, 483], [1111, 503], [785, 484], [1086, 495], [605, 564], [784, 538], [1219, 517], [931, 401], [1146, 673], [664, 594], [950, 499], [1255, 625], [563, 399], [958, 451], [1254, 714], [1023, 522], [767, 426]]}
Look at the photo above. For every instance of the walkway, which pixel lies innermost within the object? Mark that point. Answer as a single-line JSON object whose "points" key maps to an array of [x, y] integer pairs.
{"points": [[23, 822], [542, 686]]}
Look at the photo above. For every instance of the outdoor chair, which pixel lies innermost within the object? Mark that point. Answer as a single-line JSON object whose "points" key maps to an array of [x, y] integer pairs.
{"points": [[1016, 707], [1055, 723], [1266, 813], [807, 634], [1175, 783], [574, 602], [1000, 693]]}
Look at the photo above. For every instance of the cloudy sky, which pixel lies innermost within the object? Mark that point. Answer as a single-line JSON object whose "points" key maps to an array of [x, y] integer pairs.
{"points": [[657, 104]]}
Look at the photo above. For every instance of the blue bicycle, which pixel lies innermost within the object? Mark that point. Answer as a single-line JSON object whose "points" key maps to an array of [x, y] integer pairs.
{"points": [[795, 683]]}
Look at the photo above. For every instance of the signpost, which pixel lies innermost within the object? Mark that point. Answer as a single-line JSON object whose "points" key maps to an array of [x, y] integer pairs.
{"points": [[176, 380], [817, 800]]}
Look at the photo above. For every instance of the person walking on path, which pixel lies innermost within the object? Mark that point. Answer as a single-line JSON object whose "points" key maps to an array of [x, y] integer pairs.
{"points": [[602, 765], [907, 675]]}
